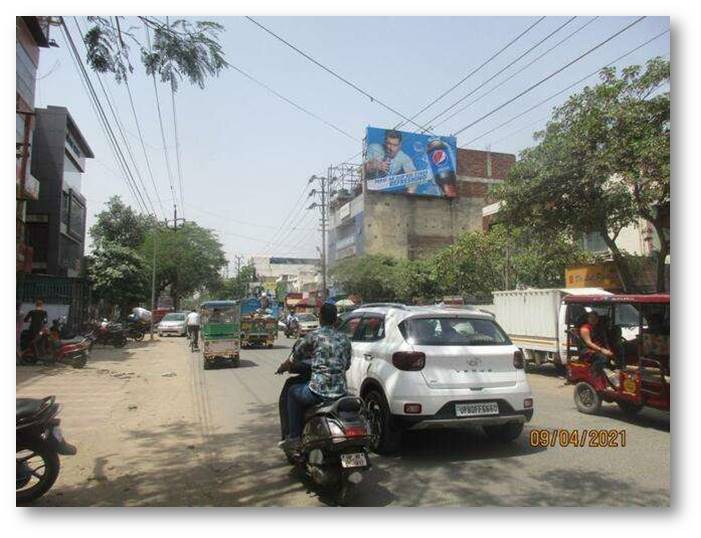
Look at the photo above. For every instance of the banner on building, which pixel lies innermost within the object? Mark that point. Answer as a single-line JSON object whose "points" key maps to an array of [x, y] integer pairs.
{"points": [[410, 163]]}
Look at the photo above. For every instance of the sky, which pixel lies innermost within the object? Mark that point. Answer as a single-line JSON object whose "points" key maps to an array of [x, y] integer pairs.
{"points": [[247, 155]]}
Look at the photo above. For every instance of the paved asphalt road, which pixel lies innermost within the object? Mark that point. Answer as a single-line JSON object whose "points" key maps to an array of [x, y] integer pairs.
{"points": [[237, 409]]}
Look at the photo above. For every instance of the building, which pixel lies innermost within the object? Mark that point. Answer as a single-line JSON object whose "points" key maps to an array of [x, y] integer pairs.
{"points": [[56, 220], [32, 34], [292, 274], [409, 226]]}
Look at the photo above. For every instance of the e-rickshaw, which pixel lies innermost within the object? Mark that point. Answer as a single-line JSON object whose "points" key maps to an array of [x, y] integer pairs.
{"points": [[636, 329], [221, 331]]}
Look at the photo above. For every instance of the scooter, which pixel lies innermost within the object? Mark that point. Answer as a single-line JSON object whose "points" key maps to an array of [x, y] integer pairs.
{"points": [[136, 329], [292, 329], [42, 349], [109, 333], [334, 445], [39, 443]]}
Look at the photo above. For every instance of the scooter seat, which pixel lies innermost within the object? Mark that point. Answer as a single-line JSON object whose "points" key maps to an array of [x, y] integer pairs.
{"points": [[27, 407], [344, 404], [72, 341]]}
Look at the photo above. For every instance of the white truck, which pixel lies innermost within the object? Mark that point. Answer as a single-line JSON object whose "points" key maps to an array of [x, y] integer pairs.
{"points": [[534, 319]]}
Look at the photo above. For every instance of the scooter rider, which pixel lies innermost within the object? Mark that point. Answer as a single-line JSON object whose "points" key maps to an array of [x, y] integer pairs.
{"points": [[330, 353]]}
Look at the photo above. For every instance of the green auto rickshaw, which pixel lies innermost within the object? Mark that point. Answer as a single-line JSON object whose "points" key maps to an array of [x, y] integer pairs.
{"points": [[221, 331]]}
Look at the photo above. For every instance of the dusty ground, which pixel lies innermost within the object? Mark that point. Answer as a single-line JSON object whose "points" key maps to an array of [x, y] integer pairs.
{"points": [[155, 429]]}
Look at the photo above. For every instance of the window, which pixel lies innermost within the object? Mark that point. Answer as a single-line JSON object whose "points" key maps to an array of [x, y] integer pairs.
{"points": [[457, 331], [65, 208], [371, 329], [76, 218], [71, 174], [349, 326]]}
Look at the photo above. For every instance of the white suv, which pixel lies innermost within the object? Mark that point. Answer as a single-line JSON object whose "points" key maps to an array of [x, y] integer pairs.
{"points": [[435, 367]]}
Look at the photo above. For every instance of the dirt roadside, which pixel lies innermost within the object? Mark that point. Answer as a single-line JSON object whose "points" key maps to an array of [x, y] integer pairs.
{"points": [[134, 415]]}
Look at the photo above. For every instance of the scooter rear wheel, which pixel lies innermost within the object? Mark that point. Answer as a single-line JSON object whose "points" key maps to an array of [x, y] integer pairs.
{"points": [[586, 398], [28, 451]]}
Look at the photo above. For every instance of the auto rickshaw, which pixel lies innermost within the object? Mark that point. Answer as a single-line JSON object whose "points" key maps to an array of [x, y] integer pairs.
{"points": [[221, 331], [636, 329]]}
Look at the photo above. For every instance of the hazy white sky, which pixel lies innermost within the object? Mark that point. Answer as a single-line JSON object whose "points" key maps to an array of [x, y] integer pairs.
{"points": [[246, 154]]}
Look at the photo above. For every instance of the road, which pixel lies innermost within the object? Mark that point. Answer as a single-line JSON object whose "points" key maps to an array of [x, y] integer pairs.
{"points": [[444, 467], [154, 428]]}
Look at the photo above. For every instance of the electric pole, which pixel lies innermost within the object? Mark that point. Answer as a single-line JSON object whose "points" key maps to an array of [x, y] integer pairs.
{"points": [[175, 228], [324, 196]]}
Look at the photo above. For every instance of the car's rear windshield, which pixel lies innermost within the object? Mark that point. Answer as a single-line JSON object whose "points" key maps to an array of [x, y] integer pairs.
{"points": [[174, 317], [306, 317], [453, 331]]}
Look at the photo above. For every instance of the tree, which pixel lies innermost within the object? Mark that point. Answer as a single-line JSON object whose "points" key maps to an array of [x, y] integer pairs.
{"points": [[179, 50], [118, 275], [371, 276], [187, 260], [594, 169], [121, 225]]}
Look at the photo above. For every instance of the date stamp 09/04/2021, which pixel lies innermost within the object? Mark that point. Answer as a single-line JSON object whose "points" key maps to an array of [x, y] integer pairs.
{"points": [[577, 438]]}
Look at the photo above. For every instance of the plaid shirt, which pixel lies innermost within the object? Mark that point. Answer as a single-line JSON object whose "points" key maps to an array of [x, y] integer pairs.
{"points": [[330, 352]]}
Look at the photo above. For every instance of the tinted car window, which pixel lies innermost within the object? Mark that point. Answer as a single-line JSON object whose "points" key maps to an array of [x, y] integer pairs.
{"points": [[371, 329], [174, 317], [348, 327], [453, 332]]}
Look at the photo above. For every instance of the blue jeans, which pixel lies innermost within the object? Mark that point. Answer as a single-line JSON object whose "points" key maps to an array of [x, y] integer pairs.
{"points": [[299, 398]]}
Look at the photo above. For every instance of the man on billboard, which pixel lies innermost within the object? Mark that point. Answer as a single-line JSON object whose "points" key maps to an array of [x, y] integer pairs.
{"points": [[388, 159]]}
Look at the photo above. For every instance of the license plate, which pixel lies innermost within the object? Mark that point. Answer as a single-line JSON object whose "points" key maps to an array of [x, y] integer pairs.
{"points": [[476, 409], [353, 460]]}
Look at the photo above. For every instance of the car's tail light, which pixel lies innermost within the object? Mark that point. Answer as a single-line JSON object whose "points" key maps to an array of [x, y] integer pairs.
{"points": [[518, 359], [409, 360]]}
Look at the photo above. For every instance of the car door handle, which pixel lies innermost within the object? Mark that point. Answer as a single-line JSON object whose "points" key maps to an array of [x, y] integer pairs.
{"points": [[369, 356]]}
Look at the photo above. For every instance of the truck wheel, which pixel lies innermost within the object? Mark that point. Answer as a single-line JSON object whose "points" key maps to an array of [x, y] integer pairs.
{"points": [[586, 398], [206, 364], [236, 361], [504, 433], [384, 438]]}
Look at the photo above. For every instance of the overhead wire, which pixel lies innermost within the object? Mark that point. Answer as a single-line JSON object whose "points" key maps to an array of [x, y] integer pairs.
{"points": [[563, 90], [115, 115], [473, 72], [177, 139], [551, 75], [506, 67], [518, 71], [333, 73], [102, 118]]}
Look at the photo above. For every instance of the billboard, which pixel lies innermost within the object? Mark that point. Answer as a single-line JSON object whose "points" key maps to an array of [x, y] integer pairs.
{"points": [[410, 163]]}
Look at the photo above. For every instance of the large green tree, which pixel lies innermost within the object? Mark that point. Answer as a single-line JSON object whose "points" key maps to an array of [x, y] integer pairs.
{"points": [[187, 260], [601, 163], [371, 276], [118, 223], [118, 275]]}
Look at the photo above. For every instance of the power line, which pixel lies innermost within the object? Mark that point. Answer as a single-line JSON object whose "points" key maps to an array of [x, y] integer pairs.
{"points": [[121, 131], [551, 75], [289, 101], [540, 103], [160, 123], [177, 149], [474, 71], [334, 74], [228, 219], [102, 118], [526, 66], [282, 224], [507, 66]]}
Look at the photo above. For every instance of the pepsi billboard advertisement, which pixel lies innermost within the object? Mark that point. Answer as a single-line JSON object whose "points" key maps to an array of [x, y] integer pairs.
{"points": [[410, 163]]}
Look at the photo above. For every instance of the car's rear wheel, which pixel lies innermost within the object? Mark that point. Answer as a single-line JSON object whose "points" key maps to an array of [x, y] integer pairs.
{"points": [[504, 433], [586, 398], [385, 438]]}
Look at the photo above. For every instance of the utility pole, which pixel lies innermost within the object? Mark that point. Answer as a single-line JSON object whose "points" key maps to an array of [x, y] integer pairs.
{"points": [[153, 281], [324, 182], [175, 228], [239, 261]]}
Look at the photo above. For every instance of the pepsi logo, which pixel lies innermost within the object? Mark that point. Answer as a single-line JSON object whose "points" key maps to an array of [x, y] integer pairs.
{"points": [[439, 157]]}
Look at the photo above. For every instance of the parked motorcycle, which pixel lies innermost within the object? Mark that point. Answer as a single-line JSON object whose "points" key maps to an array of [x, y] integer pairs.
{"points": [[49, 348], [136, 329], [108, 333], [39, 443], [334, 444]]}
